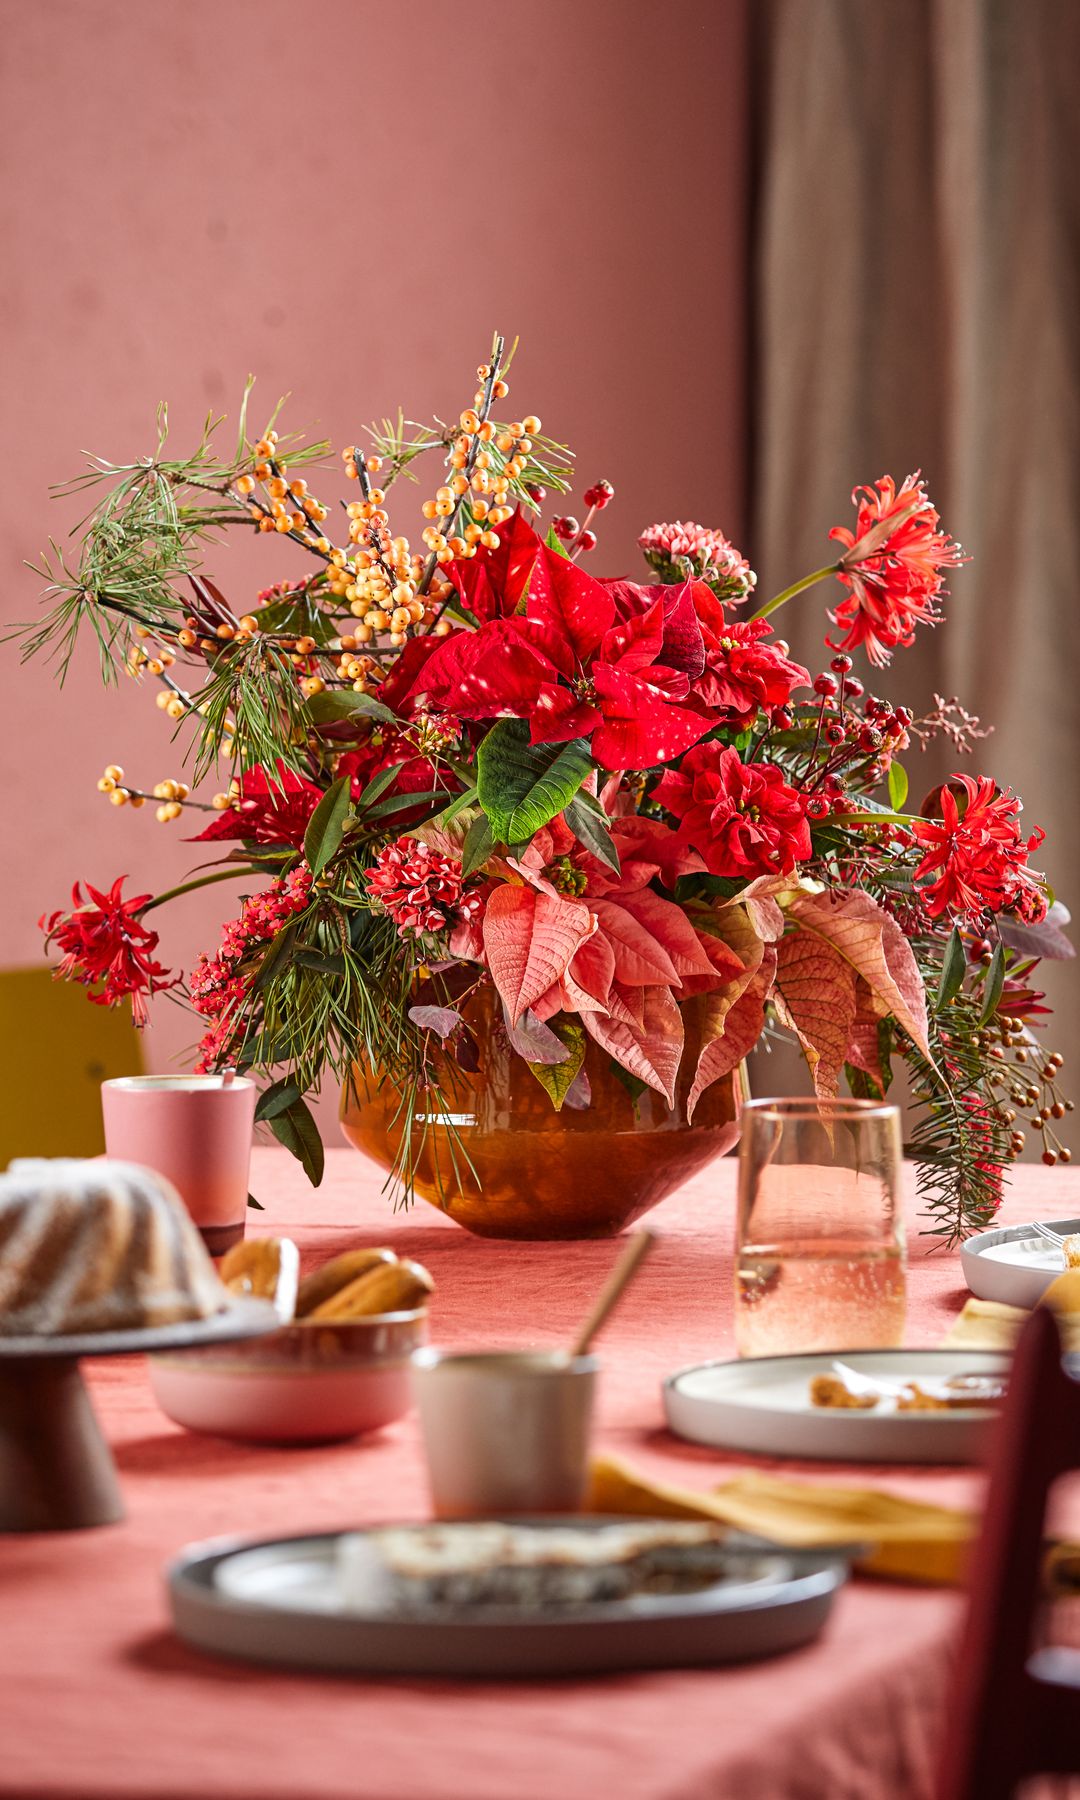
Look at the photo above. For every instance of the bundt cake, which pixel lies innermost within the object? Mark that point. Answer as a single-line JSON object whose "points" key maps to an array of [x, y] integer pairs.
{"points": [[98, 1246]]}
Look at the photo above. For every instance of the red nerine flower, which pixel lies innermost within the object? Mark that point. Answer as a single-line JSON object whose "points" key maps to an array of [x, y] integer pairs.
{"points": [[107, 943], [977, 857], [891, 567], [421, 888], [742, 817]]}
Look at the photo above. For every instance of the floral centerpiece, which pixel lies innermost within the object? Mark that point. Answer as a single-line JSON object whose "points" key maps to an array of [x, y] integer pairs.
{"points": [[471, 765]]}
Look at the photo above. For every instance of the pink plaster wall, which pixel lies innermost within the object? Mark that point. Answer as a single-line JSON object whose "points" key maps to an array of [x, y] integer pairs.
{"points": [[344, 198]]}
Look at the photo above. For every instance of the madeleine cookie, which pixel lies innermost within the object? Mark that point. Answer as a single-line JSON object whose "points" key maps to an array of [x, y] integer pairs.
{"points": [[264, 1269], [392, 1287], [322, 1283]]}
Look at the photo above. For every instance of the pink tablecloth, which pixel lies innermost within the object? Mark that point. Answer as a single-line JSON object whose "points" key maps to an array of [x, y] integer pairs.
{"points": [[99, 1701]]}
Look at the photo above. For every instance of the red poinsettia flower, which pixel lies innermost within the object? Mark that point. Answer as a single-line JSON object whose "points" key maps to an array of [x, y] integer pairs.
{"points": [[977, 856], [572, 667], [267, 812], [891, 567], [106, 943], [742, 817]]}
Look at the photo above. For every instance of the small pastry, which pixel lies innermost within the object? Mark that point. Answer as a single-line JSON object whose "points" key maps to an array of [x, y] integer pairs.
{"points": [[830, 1390], [1071, 1250], [391, 1287], [264, 1269], [332, 1276]]}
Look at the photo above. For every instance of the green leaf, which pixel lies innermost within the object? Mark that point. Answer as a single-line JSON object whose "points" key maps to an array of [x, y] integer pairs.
{"points": [[297, 1130], [633, 1085], [478, 845], [995, 982], [953, 970], [556, 543], [521, 785], [335, 704], [378, 785], [898, 785], [277, 957], [403, 803], [459, 805], [558, 1078], [326, 826], [277, 1098], [257, 1204], [320, 962], [590, 829]]}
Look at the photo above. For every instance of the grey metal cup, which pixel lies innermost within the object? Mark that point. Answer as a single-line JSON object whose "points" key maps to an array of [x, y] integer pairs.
{"points": [[505, 1431]]}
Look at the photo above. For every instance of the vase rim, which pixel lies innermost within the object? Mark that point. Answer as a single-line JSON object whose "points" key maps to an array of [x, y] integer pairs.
{"points": [[806, 1106]]}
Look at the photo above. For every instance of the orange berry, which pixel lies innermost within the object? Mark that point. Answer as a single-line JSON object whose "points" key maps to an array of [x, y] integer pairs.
{"points": [[532, 425]]}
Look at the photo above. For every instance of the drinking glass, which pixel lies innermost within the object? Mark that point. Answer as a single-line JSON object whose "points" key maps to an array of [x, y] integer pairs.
{"points": [[819, 1251]]}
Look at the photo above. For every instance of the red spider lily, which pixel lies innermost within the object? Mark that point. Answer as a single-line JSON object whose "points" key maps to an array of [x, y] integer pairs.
{"points": [[891, 567], [421, 887], [267, 812], [573, 668], [106, 943], [978, 856], [221, 984], [743, 817]]}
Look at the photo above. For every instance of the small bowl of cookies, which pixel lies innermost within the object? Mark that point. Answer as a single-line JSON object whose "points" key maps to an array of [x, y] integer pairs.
{"points": [[337, 1367]]}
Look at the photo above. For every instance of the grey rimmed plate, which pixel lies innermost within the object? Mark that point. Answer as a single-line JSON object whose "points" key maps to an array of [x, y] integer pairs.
{"points": [[280, 1601]]}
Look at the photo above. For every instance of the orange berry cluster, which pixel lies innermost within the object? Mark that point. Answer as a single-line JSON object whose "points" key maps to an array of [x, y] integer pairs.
{"points": [[479, 479], [382, 578], [171, 794], [288, 505]]}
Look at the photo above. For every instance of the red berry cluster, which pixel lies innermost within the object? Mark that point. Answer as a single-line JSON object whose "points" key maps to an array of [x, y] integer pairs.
{"points": [[576, 536]]}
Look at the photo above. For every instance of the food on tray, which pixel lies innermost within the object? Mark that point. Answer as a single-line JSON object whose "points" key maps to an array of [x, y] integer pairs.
{"points": [[98, 1245], [1070, 1247], [264, 1269], [389, 1287], [954, 1394], [322, 1283], [832, 1390], [411, 1568]]}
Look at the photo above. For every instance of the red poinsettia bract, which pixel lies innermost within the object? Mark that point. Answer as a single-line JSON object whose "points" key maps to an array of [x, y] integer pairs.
{"points": [[742, 817], [977, 857], [892, 567], [106, 943]]}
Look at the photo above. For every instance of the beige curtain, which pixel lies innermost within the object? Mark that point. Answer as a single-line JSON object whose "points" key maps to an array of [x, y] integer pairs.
{"points": [[918, 268]]}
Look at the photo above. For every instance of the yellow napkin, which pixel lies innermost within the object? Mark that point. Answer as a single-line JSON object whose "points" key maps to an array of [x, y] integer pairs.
{"points": [[990, 1325], [912, 1540]]}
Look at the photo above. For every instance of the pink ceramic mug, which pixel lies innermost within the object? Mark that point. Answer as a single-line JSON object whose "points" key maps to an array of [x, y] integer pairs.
{"points": [[195, 1130]]}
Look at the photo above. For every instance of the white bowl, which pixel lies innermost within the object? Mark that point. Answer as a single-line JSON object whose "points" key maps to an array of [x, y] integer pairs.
{"points": [[304, 1384]]}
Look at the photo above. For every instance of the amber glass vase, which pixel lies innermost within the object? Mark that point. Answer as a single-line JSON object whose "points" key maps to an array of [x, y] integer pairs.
{"points": [[541, 1173]]}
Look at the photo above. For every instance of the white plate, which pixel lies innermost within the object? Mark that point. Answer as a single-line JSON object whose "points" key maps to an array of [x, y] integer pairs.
{"points": [[279, 1602], [763, 1405], [1012, 1263]]}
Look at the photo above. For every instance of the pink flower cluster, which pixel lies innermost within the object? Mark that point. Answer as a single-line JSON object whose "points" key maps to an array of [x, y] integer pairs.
{"points": [[218, 987], [681, 547], [421, 888]]}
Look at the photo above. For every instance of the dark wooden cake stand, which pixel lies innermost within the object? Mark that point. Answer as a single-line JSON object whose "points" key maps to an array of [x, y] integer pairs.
{"points": [[56, 1470]]}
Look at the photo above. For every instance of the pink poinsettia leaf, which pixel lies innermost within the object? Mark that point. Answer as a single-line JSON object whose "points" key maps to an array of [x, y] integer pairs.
{"points": [[640, 729], [570, 606], [654, 1053], [669, 926], [814, 994], [640, 961], [530, 938], [724, 963], [628, 1004], [734, 1021], [578, 1096], [864, 1044], [440, 1019], [875, 947]]}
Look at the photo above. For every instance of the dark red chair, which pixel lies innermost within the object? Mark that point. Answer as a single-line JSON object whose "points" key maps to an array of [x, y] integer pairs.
{"points": [[1014, 1709]]}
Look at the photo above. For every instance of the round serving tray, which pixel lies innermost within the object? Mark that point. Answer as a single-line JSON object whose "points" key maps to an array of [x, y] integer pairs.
{"points": [[276, 1601], [242, 1319]]}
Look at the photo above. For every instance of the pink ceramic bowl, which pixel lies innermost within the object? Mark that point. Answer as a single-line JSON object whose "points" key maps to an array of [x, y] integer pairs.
{"points": [[304, 1384]]}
